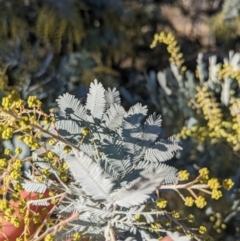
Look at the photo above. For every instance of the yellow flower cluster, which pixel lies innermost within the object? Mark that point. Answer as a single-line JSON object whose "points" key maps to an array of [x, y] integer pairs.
{"points": [[15, 221], [67, 149], [228, 184], [17, 186], [34, 102], [183, 175], [190, 218], [11, 101], [202, 230], [31, 142], [176, 57], [3, 204], [7, 133], [76, 237], [175, 214], [51, 142], [200, 202], [85, 131], [49, 237], [18, 150], [189, 201], [204, 175], [213, 183], [216, 129], [161, 203], [216, 194], [3, 163], [227, 71]]}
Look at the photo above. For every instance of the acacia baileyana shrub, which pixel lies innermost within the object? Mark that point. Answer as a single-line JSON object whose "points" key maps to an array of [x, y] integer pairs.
{"points": [[104, 166]]}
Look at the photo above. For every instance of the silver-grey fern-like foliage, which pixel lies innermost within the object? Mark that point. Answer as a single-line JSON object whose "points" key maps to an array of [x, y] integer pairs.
{"points": [[116, 162]]}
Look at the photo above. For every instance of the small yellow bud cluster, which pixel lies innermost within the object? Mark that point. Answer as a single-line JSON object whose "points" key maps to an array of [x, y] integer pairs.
{"points": [[17, 186], [18, 150], [217, 219], [204, 172], [214, 184], [34, 102], [3, 204], [161, 203], [175, 214], [11, 100], [85, 130], [9, 211], [49, 237], [7, 152], [228, 184], [3, 163], [137, 217], [228, 71], [31, 142], [36, 218], [76, 237], [45, 172], [202, 230], [15, 169], [200, 202], [216, 194], [49, 155], [67, 149], [189, 201], [52, 142], [15, 221], [190, 218], [155, 227], [7, 133], [183, 175], [19, 239]]}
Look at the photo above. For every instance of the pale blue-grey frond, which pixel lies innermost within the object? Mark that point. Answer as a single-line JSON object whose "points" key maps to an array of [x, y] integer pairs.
{"points": [[96, 102], [90, 176]]}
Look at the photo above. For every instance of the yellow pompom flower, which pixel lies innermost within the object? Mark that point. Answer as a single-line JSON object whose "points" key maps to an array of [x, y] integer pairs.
{"points": [[190, 218], [228, 184], [7, 151], [183, 175], [33, 102], [161, 203], [76, 237], [67, 149], [200, 202], [216, 194], [3, 163], [202, 230], [85, 131], [18, 150], [189, 201], [49, 237], [213, 183]]}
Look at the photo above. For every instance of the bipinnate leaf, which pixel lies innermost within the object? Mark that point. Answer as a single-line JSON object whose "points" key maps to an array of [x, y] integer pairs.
{"points": [[70, 105], [139, 189], [113, 116], [96, 100], [90, 176], [132, 127], [151, 129], [112, 97], [162, 151]]}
